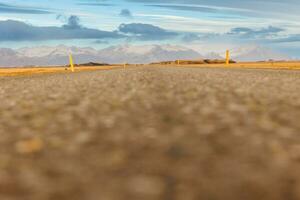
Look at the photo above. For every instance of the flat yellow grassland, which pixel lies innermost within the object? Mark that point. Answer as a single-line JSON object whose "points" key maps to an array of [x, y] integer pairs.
{"points": [[270, 65], [44, 70], [253, 65]]}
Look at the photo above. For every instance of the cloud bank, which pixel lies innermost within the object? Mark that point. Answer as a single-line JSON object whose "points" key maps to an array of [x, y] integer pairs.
{"points": [[12, 30]]}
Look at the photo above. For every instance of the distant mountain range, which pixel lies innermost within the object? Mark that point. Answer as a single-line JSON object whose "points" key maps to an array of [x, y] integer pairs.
{"points": [[256, 53], [58, 55]]}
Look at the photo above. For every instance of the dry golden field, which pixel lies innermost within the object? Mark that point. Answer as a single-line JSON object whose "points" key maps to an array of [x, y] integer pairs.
{"points": [[271, 65], [43, 70], [253, 65]]}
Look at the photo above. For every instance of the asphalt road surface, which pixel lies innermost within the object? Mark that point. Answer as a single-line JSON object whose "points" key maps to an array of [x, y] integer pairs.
{"points": [[151, 133]]}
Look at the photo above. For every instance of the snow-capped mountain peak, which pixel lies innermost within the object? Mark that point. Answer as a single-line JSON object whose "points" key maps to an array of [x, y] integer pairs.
{"points": [[60, 50], [58, 55], [145, 49]]}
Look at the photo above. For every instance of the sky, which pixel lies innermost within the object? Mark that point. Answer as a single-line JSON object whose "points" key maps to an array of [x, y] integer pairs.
{"points": [[204, 25]]}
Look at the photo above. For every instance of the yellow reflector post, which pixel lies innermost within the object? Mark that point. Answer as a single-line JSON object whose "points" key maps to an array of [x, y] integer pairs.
{"points": [[71, 62], [227, 57]]}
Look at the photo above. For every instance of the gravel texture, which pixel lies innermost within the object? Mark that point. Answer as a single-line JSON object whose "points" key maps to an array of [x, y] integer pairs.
{"points": [[151, 133]]}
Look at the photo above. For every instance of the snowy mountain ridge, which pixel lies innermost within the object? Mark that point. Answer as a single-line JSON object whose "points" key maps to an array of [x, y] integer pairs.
{"points": [[58, 55]]}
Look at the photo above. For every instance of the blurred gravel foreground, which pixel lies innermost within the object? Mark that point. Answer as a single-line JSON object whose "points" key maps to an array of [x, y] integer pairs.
{"points": [[151, 133]]}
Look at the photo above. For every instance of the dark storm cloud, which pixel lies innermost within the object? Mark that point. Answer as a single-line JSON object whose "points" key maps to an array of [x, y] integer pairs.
{"points": [[126, 13], [73, 23], [6, 8], [11, 30], [146, 31]]}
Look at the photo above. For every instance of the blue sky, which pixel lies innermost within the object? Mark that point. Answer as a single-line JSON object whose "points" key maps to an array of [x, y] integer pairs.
{"points": [[200, 24]]}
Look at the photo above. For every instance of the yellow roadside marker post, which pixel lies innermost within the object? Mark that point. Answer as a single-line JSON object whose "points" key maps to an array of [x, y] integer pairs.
{"points": [[71, 63], [227, 57], [178, 62]]}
